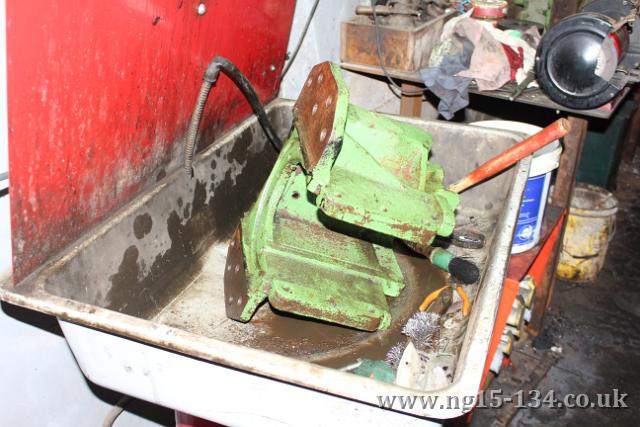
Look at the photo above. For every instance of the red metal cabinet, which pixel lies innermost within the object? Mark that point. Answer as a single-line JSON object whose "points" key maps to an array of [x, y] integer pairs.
{"points": [[100, 93]]}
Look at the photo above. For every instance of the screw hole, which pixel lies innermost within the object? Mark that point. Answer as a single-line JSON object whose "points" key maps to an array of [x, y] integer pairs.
{"points": [[295, 195]]}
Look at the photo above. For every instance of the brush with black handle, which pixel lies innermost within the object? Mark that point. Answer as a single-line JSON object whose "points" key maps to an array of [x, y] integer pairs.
{"points": [[464, 271]]}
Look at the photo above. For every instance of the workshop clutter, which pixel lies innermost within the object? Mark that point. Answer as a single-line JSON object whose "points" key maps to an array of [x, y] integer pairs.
{"points": [[454, 47], [590, 226], [317, 251], [490, 10], [472, 50], [399, 36], [520, 315]]}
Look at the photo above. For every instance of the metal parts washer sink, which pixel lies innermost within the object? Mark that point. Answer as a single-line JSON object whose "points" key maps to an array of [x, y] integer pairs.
{"points": [[152, 273]]}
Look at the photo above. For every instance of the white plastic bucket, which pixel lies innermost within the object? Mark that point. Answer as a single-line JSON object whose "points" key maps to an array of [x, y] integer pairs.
{"points": [[534, 200]]}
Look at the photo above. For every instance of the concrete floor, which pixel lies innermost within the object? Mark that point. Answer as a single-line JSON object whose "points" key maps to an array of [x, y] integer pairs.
{"points": [[600, 343]]}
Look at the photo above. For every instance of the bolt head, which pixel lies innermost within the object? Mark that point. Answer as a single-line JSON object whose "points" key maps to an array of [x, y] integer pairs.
{"points": [[202, 9]]}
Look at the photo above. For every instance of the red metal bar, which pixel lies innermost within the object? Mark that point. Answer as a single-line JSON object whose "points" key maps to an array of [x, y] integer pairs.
{"points": [[541, 263], [509, 293], [512, 285], [186, 420]]}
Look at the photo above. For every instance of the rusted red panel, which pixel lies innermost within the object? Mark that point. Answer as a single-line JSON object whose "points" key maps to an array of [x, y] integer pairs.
{"points": [[100, 93]]}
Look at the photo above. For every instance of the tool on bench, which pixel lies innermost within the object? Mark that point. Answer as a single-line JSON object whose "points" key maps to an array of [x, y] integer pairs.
{"points": [[318, 241]]}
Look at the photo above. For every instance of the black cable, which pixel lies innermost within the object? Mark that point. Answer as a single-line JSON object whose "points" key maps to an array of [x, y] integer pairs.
{"points": [[393, 84], [302, 36], [210, 77]]}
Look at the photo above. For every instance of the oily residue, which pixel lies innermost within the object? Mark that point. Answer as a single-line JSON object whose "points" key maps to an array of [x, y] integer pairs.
{"points": [[336, 346], [142, 225], [161, 175], [215, 208]]}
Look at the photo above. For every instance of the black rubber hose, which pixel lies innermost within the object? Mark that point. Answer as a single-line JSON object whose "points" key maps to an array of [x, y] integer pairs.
{"points": [[209, 79]]}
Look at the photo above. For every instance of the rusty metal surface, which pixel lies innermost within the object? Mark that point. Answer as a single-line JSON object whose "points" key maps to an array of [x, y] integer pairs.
{"points": [[315, 110], [100, 93], [404, 48], [236, 285], [174, 272], [334, 345]]}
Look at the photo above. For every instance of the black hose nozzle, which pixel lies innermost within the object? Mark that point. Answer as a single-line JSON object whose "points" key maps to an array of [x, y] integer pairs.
{"points": [[209, 79]]}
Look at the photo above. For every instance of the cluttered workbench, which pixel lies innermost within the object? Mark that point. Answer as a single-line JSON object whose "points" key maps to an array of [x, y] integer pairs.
{"points": [[412, 106], [538, 263]]}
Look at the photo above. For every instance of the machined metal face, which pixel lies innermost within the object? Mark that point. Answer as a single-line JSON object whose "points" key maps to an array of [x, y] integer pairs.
{"points": [[315, 113]]}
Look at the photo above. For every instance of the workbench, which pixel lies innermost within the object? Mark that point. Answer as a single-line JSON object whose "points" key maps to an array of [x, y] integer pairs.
{"points": [[541, 261]]}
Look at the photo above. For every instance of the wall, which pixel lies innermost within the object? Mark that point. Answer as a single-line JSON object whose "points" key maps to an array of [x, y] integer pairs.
{"points": [[322, 42]]}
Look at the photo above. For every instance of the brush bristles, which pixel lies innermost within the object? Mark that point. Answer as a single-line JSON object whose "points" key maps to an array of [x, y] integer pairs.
{"points": [[395, 354], [421, 328]]}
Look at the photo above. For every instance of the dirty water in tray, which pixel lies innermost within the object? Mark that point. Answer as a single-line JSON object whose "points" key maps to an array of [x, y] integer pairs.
{"points": [[200, 309]]}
